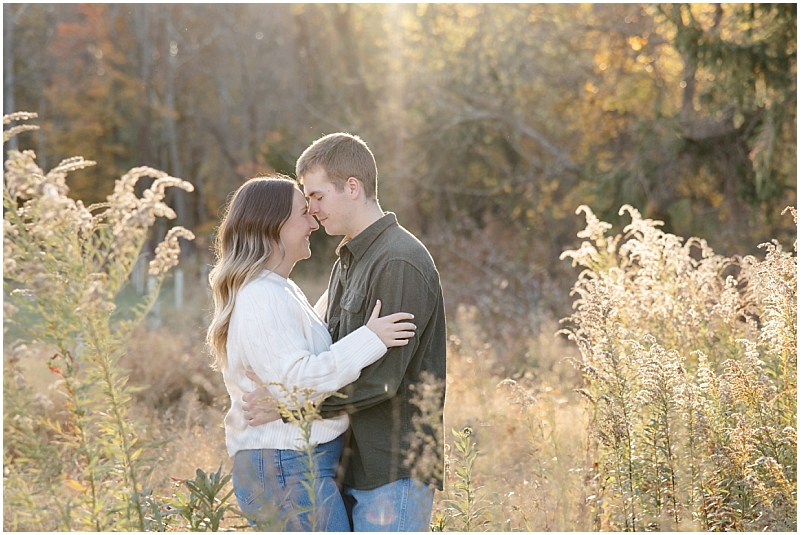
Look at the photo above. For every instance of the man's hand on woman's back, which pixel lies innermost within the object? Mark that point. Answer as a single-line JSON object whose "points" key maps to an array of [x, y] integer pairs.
{"points": [[257, 408]]}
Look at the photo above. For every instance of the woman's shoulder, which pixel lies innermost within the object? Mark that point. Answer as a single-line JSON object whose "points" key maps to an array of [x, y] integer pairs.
{"points": [[265, 288]]}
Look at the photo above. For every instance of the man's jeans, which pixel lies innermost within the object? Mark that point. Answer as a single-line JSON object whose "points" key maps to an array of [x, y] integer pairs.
{"points": [[403, 505], [269, 488]]}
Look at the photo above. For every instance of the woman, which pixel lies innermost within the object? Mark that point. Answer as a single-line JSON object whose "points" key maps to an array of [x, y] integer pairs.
{"points": [[263, 324]]}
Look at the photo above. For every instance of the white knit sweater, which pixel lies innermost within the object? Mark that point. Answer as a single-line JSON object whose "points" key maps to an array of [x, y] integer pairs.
{"points": [[275, 333]]}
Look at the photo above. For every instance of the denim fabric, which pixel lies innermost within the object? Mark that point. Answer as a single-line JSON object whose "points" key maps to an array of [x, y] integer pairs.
{"points": [[404, 505], [269, 488]]}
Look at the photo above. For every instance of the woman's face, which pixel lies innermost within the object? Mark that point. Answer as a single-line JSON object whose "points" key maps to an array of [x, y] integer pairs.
{"points": [[296, 232]]}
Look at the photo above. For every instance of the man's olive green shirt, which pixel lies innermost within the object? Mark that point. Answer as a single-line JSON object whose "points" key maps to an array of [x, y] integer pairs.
{"points": [[387, 262]]}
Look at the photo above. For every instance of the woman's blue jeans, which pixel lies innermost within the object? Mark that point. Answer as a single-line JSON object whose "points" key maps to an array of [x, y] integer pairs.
{"points": [[269, 486]]}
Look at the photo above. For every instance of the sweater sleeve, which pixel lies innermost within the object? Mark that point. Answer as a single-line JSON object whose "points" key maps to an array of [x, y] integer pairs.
{"points": [[276, 347], [321, 308]]}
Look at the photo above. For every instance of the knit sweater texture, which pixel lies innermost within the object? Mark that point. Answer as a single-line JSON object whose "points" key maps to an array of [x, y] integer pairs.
{"points": [[275, 333]]}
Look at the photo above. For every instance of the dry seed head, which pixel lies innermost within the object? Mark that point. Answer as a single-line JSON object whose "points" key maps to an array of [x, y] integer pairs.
{"points": [[96, 292], [746, 378], [22, 176], [169, 250], [595, 229], [130, 216], [47, 211], [10, 231], [772, 289], [772, 468], [83, 217], [590, 372], [588, 255], [619, 427], [19, 116], [163, 182], [583, 256], [729, 306], [600, 434], [793, 211], [661, 374], [790, 436], [678, 292], [518, 395], [16, 130], [58, 174]]}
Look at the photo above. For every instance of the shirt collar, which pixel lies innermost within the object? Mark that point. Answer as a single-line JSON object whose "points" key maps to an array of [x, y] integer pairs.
{"points": [[359, 245]]}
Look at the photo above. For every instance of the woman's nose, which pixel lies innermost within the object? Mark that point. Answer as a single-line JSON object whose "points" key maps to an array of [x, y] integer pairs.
{"points": [[314, 224]]}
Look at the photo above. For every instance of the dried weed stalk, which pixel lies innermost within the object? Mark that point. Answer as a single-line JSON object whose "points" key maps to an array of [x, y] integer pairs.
{"points": [[63, 266], [690, 367]]}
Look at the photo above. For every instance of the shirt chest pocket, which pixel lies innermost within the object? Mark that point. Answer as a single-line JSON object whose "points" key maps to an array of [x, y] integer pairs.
{"points": [[353, 301]]}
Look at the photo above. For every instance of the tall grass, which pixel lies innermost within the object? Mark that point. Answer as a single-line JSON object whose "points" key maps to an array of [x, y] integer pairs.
{"points": [[687, 364], [63, 266], [521, 464], [689, 361], [666, 401]]}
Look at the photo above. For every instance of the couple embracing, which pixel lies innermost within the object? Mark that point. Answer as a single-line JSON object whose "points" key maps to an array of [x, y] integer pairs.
{"points": [[265, 331]]}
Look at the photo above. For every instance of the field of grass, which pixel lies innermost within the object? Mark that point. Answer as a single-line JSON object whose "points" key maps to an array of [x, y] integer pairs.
{"points": [[530, 457], [666, 401], [638, 415]]}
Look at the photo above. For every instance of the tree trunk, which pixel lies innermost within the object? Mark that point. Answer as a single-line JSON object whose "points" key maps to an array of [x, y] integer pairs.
{"points": [[142, 31], [9, 18], [184, 214]]}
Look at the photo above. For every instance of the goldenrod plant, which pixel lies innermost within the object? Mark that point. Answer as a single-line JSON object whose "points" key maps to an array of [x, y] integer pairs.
{"points": [[690, 368], [63, 266], [466, 501], [678, 411], [300, 407], [206, 504]]}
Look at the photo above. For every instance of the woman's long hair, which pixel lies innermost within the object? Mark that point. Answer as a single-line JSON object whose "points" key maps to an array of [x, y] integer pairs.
{"points": [[243, 247]]}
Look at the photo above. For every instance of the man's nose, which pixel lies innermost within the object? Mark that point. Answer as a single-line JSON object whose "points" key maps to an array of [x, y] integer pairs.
{"points": [[312, 207]]}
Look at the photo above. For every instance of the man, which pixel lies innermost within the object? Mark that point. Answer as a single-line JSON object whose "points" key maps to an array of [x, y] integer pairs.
{"points": [[378, 259]]}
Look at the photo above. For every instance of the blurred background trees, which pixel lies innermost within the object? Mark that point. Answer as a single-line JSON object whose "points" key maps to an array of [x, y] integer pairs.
{"points": [[490, 123]]}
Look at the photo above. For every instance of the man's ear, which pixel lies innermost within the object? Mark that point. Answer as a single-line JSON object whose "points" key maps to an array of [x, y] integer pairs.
{"points": [[353, 187]]}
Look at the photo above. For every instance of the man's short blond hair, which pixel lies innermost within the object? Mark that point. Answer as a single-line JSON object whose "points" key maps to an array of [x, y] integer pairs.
{"points": [[341, 155]]}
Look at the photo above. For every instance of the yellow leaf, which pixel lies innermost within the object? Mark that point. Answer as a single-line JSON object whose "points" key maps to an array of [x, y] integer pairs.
{"points": [[71, 483]]}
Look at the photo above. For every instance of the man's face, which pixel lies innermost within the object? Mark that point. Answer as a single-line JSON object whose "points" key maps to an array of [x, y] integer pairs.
{"points": [[330, 206]]}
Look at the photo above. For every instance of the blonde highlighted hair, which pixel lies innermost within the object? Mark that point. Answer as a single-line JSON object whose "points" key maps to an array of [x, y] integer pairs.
{"points": [[341, 155], [243, 247]]}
